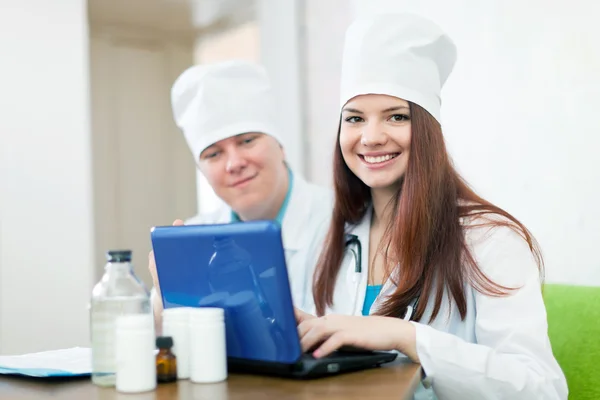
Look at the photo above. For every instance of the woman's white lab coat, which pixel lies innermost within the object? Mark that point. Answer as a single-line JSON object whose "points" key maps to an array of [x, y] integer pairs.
{"points": [[500, 350], [308, 210]]}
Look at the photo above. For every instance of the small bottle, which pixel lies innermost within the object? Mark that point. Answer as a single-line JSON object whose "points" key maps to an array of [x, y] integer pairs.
{"points": [[208, 354], [134, 350], [166, 362], [176, 324], [119, 292]]}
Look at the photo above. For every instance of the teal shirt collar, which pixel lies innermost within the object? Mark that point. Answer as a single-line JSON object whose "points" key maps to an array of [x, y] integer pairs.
{"points": [[284, 206]]}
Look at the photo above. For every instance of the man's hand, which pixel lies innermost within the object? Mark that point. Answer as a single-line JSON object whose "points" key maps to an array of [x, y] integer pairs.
{"points": [[152, 264], [157, 305]]}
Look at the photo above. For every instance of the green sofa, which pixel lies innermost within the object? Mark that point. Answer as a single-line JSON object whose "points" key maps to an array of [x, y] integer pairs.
{"points": [[574, 330]]}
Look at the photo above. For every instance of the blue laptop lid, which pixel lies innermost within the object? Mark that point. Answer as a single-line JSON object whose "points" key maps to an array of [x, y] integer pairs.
{"points": [[241, 268]]}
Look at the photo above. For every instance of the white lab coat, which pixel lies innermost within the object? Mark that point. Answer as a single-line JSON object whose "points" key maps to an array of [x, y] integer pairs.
{"points": [[500, 350], [309, 208]]}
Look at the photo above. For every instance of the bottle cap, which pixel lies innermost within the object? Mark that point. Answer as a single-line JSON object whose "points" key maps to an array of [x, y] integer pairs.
{"points": [[176, 314], [164, 342], [182, 311], [118, 255]]}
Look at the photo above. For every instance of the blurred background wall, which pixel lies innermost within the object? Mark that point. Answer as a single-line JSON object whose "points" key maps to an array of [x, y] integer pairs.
{"points": [[90, 158]]}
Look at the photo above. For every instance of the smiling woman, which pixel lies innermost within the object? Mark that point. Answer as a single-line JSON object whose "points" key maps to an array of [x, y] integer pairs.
{"points": [[452, 281], [375, 139]]}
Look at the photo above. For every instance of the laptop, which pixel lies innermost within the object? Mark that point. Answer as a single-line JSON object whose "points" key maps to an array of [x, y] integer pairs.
{"points": [[241, 268]]}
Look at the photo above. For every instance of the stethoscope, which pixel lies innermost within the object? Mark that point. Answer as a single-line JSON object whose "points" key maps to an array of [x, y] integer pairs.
{"points": [[352, 243], [352, 240]]}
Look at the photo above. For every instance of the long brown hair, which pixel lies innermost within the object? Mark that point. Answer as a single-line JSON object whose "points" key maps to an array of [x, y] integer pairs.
{"points": [[424, 235]]}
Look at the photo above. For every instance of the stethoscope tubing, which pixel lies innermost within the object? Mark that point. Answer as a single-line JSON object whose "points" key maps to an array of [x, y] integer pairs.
{"points": [[350, 240]]}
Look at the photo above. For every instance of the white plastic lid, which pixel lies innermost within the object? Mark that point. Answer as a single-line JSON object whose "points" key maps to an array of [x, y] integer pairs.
{"points": [[177, 314]]}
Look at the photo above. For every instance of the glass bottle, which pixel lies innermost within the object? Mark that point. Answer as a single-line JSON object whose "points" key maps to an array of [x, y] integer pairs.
{"points": [[166, 362], [118, 292], [230, 267]]}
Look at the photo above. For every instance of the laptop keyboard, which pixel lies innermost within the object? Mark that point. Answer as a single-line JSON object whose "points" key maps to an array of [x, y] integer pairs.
{"points": [[346, 351]]}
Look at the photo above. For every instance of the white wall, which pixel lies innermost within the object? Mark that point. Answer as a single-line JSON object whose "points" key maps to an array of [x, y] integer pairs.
{"points": [[520, 116], [143, 171], [281, 54], [325, 23], [46, 237]]}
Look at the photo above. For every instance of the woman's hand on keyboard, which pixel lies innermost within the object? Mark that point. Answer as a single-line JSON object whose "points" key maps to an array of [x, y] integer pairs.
{"points": [[330, 332]]}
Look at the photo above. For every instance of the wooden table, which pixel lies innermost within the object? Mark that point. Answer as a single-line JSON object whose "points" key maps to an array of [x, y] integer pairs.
{"points": [[396, 380]]}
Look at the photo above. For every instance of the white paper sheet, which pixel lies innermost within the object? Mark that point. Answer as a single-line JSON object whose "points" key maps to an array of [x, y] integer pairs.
{"points": [[65, 362]]}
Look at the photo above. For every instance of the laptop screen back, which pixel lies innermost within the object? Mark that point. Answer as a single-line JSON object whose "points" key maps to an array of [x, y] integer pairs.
{"points": [[241, 268]]}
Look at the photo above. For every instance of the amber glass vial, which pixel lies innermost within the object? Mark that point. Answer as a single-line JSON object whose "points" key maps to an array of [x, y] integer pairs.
{"points": [[166, 362]]}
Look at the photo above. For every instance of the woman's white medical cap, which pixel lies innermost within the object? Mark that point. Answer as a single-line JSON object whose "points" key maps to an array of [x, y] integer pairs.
{"points": [[217, 101], [402, 55]]}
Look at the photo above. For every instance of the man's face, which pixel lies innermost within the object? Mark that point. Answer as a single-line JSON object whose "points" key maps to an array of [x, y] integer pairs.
{"points": [[243, 170]]}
